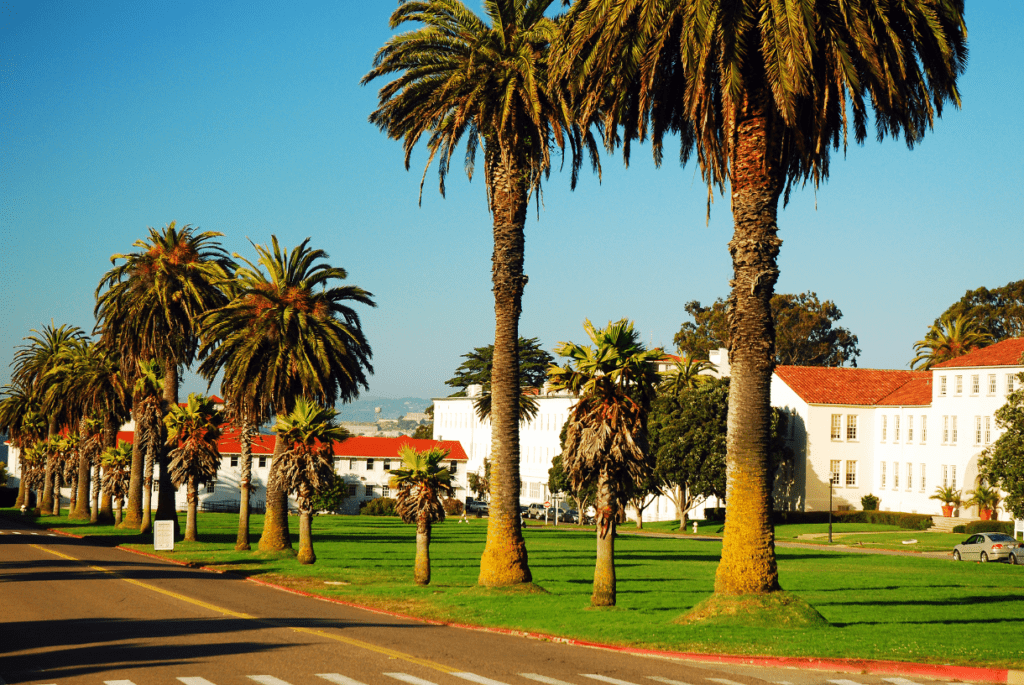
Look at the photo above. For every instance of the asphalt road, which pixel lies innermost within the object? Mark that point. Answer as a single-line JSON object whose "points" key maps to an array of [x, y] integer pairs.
{"points": [[77, 613]]}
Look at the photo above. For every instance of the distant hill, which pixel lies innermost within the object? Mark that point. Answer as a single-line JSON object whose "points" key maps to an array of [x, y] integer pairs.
{"points": [[390, 408]]}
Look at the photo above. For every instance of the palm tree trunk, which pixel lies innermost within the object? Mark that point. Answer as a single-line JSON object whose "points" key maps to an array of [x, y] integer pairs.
{"points": [[147, 494], [306, 553], [245, 443], [22, 490], [748, 548], [72, 494], [504, 559], [192, 493], [81, 508], [56, 490], [165, 507], [422, 572], [118, 512], [133, 515], [46, 505], [94, 514], [604, 568], [106, 512], [275, 536]]}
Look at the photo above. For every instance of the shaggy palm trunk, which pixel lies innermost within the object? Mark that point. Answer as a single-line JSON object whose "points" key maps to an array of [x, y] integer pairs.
{"points": [[165, 508], [604, 568], [106, 504], [118, 511], [147, 494], [22, 491], [81, 508], [245, 481], [56, 490], [94, 513], [748, 547], [275, 536], [192, 493], [504, 559], [422, 572], [133, 513], [306, 554], [46, 503], [72, 494]]}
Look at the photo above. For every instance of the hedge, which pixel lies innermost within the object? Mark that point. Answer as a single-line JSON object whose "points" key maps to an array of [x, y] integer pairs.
{"points": [[892, 518], [985, 527], [381, 506]]}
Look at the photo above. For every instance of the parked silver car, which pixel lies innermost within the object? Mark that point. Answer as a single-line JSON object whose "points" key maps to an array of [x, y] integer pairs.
{"points": [[990, 547]]}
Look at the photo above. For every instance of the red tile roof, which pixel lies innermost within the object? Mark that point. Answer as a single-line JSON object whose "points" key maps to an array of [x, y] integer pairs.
{"points": [[842, 385], [1006, 353], [915, 393]]}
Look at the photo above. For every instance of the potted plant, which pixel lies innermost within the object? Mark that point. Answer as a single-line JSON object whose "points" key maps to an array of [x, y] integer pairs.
{"points": [[949, 497], [986, 499]]}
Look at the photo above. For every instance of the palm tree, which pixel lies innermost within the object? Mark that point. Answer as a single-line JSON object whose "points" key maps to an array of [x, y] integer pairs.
{"points": [[116, 464], [309, 433], [148, 414], [193, 431], [21, 420], [760, 93], [33, 470], [149, 309], [70, 459], [606, 432], [685, 375], [948, 339], [459, 76], [419, 486], [287, 333]]}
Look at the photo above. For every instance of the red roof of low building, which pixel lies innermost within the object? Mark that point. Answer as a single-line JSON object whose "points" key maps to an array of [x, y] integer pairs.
{"points": [[364, 446], [915, 393], [842, 385], [1008, 352]]}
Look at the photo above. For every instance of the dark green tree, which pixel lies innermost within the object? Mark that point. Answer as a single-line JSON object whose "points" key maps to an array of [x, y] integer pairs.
{"points": [[476, 370], [999, 311], [1002, 464]]}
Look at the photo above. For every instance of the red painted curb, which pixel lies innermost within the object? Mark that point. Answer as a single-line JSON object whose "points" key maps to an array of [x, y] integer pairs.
{"points": [[173, 561], [67, 535]]}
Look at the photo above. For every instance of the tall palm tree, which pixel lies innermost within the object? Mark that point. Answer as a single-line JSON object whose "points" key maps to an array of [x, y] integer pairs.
{"points": [[148, 307], [760, 93], [289, 332], [419, 486], [309, 433], [116, 473], [33, 470], [148, 413], [193, 431], [21, 420], [460, 75], [606, 432], [950, 338]]}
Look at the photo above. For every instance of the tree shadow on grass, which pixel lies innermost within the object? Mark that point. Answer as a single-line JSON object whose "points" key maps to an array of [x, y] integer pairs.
{"points": [[1013, 599]]}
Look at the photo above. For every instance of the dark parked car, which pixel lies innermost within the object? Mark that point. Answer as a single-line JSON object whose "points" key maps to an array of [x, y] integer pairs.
{"points": [[990, 547]]}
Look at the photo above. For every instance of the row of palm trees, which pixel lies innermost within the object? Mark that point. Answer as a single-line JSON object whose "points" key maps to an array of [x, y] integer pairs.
{"points": [[760, 93]]}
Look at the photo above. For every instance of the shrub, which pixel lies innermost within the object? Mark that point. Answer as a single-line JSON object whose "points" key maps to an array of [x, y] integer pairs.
{"points": [[960, 529], [892, 518], [986, 527], [453, 507], [381, 506], [869, 502]]}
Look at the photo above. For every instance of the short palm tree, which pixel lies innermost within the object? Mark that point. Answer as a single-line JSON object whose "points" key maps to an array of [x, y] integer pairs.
{"points": [[948, 339], [289, 332], [309, 433], [117, 463], [192, 433], [419, 486], [606, 432], [985, 497], [147, 410], [685, 375], [760, 93], [33, 471], [486, 80], [148, 307], [21, 420]]}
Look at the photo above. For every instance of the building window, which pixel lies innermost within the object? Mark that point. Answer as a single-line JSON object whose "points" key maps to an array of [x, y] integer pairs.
{"points": [[895, 475], [922, 471], [910, 476], [351, 489], [156, 483], [945, 476], [881, 475], [885, 426], [952, 471], [952, 430], [1009, 383], [837, 426], [211, 486], [851, 474], [988, 429], [453, 468], [387, 466], [234, 460], [851, 427], [945, 430], [958, 385], [924, 429], [975, 384], [896, 428], [369, 491], [351, 464], [834, 467], [369, 464], [385, 491], [910, 429], [535, 490], [942, 386], [991, 384], [977, 430], [263, 462]]}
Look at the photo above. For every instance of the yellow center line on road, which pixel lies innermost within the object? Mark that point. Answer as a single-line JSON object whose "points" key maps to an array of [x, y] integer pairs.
{"points": [[277, 624]]}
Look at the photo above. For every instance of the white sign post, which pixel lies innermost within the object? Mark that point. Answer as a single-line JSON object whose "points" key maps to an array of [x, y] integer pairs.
{"points": [[163, 536]]}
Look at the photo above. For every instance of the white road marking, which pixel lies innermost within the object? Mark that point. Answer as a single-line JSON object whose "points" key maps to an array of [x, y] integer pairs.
{"points": [[543, 679], [411, 679], [843, 682], [474, 678], [115, 682], [724, 681], [339, 679], [667, 681], [195, 681], [267, 680], [606, 679], [899, 681]]}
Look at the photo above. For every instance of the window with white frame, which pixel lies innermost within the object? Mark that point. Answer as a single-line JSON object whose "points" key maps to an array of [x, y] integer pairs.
{"points": [[885, 427], [834, 466], [851, 427], [387, 466], [975, 384], [234, 460], [958, 385], [369, 464], [952, 473], [910, 429], [351, 489], [977, 430], [837, 426], [369, 491], [351, 464], [945, 476], [851, 474], [988, 429], [924, 429], [945, 430], [453, 467], [1009, 383], [263, 462], [991, 384], [881, 475], [385, 491], [952, 430], [942, 386], [896, 428], [534, 490], [922, 471], [895, 475], [211, 485], [910, 476]]}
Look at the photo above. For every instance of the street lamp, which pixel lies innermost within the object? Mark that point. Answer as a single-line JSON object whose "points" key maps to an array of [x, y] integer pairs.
{"points": [[831, 482]]}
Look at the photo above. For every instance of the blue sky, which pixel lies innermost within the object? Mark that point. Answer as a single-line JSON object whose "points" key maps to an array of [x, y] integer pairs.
{"points": [[248, 118]]}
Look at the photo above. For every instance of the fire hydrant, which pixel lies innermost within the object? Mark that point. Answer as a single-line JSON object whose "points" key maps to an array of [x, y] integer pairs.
{"points": [[694, 527]]}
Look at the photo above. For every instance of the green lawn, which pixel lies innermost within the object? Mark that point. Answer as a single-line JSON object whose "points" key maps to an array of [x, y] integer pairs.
{"points": [[879, 607]]}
